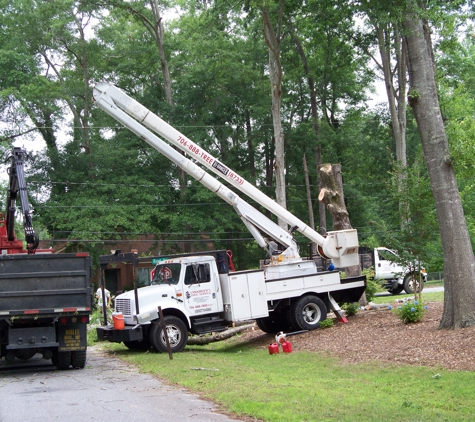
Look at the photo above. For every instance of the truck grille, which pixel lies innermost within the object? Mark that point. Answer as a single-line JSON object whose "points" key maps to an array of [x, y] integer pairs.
{"points": [[122, 305]]}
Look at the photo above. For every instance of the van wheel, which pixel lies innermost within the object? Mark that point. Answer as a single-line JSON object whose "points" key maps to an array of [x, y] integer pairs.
{"points": [[411, 284], [177, 335], [307, 312]]}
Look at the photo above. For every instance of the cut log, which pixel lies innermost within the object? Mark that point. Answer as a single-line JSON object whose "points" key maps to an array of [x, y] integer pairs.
{"points": [[223, 335]]}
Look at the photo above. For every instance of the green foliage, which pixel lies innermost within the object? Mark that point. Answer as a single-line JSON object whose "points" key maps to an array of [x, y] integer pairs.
{"points": [[410, 312], [351, 308], [372, 285], [327, 323]]}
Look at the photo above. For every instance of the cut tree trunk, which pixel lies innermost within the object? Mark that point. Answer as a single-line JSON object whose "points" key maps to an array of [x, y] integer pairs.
{"points": [[331, 194]]}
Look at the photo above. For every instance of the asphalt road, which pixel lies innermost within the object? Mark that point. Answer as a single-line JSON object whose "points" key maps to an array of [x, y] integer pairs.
{"points": [[105, 390]]}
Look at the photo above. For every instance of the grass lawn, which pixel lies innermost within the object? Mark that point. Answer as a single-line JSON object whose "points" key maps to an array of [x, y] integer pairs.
{"points": [[244, 379]]}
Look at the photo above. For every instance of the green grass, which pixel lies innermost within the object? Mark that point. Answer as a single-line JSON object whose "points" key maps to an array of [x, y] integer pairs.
{"points": [[243, 378], [426, 297]]}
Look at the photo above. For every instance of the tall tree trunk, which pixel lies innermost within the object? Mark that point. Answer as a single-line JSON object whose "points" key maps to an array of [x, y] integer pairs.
{"points": [[396, 95], [273, 41], [315, 127], [459, 261], [250, 146], [309, 202]]}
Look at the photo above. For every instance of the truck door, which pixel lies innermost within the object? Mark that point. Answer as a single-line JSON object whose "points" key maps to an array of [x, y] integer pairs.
{"points": [[387, 268], [201, 295]]}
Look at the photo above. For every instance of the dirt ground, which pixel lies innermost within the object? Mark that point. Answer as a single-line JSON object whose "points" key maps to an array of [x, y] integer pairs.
{"points": [[381, 335]]}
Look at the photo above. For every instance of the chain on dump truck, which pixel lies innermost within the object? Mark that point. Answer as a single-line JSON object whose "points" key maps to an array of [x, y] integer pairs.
{"points": [[45, 298], [202, 293]]}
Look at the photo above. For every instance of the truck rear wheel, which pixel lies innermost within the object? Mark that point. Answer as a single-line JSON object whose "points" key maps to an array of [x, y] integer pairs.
{"points": [[62, 360], [274, 323], [25, 354], [396, 290], [78, 359], [411, 283], [177, 335], [307, 311]]}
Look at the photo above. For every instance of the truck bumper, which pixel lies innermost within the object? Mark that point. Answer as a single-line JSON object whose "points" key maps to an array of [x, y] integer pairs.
{"points": [[129, 333]]}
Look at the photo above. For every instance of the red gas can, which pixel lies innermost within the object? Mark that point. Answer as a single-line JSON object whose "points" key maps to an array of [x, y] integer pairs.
{"points": [[286, 347], [273, 348]]}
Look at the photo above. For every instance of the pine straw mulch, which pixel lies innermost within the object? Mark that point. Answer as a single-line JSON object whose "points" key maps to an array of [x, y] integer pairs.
{"points": [[378, 334]]}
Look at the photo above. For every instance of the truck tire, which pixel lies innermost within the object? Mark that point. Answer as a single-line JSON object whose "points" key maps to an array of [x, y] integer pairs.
{"points": [[62, 360], [411, 283], [138, 345], [78, 359], [307, 311], [177, 335], [396, 290], [25, 354], [274, 323]]}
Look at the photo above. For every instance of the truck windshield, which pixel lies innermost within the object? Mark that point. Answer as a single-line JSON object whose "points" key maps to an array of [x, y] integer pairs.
{"points": [[166, 274]]}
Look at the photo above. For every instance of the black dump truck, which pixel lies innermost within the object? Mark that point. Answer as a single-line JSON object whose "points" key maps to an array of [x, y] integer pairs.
{"points": [[45, 298], [45, 303]]}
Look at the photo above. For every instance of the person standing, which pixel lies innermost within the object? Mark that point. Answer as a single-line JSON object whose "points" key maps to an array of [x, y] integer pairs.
{"points": [[99, 297]]}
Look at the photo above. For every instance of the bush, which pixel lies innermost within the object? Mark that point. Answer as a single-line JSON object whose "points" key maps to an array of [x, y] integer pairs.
{"points": [[327, 323], [410, 312], [351, 308]]}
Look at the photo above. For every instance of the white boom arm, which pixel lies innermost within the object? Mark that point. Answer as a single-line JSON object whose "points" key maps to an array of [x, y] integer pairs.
{"points": [[340, 246]]}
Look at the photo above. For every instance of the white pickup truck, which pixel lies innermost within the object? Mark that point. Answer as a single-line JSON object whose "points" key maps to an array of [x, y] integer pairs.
{"points": [[396, 277]]}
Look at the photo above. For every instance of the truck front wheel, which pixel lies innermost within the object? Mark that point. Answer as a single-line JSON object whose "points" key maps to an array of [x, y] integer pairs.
{"points": [[307, 312], [177, 335], [411, 283]]}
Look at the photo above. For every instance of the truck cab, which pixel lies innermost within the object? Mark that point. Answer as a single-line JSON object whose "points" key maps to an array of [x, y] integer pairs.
{"points": [[396, 277], [188, 285]]}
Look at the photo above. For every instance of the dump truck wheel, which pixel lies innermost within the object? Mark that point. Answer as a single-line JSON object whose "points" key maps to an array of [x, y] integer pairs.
{"points": [[307, 312], [62, 360], [25, 354], [78, 359], [177, 335]]}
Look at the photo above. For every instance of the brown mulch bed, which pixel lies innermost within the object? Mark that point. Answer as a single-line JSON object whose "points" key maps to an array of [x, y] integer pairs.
{"points": [[381, 335]]}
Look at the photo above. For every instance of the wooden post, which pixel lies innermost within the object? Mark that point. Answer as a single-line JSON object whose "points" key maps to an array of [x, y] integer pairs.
{"points": [[165, 332]]}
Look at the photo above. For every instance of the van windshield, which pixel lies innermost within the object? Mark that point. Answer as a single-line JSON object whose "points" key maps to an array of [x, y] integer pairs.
{"points": [[166, 274]]}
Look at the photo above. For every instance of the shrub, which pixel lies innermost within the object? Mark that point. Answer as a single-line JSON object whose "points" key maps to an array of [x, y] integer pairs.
{"points": [[410, 312], [327, 323], [351, 308]]}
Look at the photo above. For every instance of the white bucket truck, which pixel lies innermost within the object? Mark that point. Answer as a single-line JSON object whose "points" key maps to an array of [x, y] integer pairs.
{"points": [[199, 293]]}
